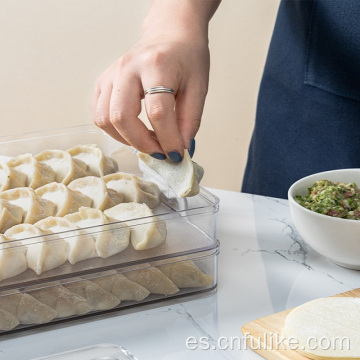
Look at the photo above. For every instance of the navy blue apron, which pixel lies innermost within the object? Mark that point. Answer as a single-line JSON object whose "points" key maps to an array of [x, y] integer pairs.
{"points": [[308, 111]]}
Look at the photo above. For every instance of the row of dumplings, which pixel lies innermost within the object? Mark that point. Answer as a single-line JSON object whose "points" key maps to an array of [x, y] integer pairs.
{"points": [[26, 205], [39, 251], [39, 306], [55, 165]]}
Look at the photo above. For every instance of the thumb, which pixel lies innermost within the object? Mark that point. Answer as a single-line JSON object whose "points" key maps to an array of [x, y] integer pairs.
{"points": [[189, 108]]}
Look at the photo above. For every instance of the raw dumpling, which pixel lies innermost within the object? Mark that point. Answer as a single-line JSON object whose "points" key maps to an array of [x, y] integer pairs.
{"points": [[107, 242], [122, 287], [183, 178], [11, 178], [42, 254], [12, 258], [7, 321], [134, 189], [26, 309], [10, 215], [66, 167], [34, 207], [63, 301], [143, 236], [153, 280], [80, 245], [96, 296], [37, 174], [95, 188], [186, 274], [330, 318], [66, 200], [97, 163]]}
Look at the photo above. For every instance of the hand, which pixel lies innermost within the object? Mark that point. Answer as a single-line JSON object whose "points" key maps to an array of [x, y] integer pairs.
{"points": [[179, 60]]}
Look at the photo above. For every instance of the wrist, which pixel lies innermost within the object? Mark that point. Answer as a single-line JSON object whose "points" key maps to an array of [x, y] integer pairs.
{"points": [[182, 20]]}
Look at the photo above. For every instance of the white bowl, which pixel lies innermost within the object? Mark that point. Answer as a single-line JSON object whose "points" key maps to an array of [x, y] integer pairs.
{"points": [[335, 238]]}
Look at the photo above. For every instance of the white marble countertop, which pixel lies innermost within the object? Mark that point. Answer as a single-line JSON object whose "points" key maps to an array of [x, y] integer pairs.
{"points": [[264, 267]]}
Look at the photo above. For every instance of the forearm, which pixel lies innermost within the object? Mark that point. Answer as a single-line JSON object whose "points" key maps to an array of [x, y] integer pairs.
{"points": [[178, 18]]}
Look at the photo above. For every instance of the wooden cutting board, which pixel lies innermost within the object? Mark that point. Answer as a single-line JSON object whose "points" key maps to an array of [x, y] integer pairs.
{"points": [[261, 334]]}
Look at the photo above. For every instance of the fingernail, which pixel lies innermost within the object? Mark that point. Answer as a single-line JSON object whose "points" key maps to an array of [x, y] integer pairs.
{"points": [[158, 156], [175, 156], [192, 147]]}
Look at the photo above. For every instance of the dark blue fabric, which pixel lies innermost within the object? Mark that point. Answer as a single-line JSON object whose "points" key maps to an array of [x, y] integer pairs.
{"points": [[308, 115]]}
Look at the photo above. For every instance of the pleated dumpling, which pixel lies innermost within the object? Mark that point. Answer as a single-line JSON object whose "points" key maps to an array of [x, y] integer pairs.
{"points": [[153, 280], [66, 200], [37, 174], [107, 242], [65, 167], [34, 207], [186, 274], [11, 178], [80, 245], [134, 189], [144, 234], [10, 215], [97, 163], [95, 188], [122, 287], [41, 254], [96, 296], [12, 258], [183, 178], [26, 309], [7, 321], [62, 300]]}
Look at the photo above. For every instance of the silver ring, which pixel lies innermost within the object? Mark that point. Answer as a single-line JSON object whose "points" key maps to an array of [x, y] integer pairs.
{"points": [[158, 89]]}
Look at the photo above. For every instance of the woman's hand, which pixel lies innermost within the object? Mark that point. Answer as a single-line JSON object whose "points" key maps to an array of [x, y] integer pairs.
{"points": [[173, 52]]}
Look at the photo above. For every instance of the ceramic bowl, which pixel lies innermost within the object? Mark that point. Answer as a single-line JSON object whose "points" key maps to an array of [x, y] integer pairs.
{"points": [[335, 238]]}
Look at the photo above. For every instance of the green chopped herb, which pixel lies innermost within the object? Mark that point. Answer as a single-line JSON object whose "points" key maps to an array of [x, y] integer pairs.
{"points": [[333, 199]]}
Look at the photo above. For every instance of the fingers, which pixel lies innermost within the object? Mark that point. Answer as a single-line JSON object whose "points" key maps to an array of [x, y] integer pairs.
{"points": [[160, 109], [100, 109], [124, 108], [189, 109]]}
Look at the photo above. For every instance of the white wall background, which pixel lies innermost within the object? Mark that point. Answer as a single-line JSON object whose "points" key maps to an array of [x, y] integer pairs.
{"points": [[53, 50]]}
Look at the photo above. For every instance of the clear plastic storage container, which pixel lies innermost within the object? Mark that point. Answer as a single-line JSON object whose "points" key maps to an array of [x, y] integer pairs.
{"points": [[185, 263]]}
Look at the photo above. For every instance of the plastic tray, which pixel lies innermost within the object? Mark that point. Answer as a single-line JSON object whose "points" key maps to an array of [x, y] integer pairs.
{"points": [[190, 222], [96, 352]]}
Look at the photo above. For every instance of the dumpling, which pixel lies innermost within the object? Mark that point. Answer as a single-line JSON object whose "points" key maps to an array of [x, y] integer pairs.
{"points": [[107, 242], [134, 189], [186, 274], [12, 258], [153, 280], [42, 254], [95, 188], [10, 215], [7, 321], [183, 178], [66, 167], [26, 309], [34, 207], [80, 246], [96, 296], [97, 163], [37, 174], [11, 178], [66, 200], [122, 287], [63, 301], [143, 235]]}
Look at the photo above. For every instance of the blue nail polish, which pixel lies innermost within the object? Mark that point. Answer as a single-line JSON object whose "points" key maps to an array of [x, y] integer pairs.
{"points": [[175, 156], [192, 147], [158, 156]]}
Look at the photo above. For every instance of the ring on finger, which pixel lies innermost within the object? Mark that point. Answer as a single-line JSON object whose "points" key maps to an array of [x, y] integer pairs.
{"points": [[158, 89]]}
